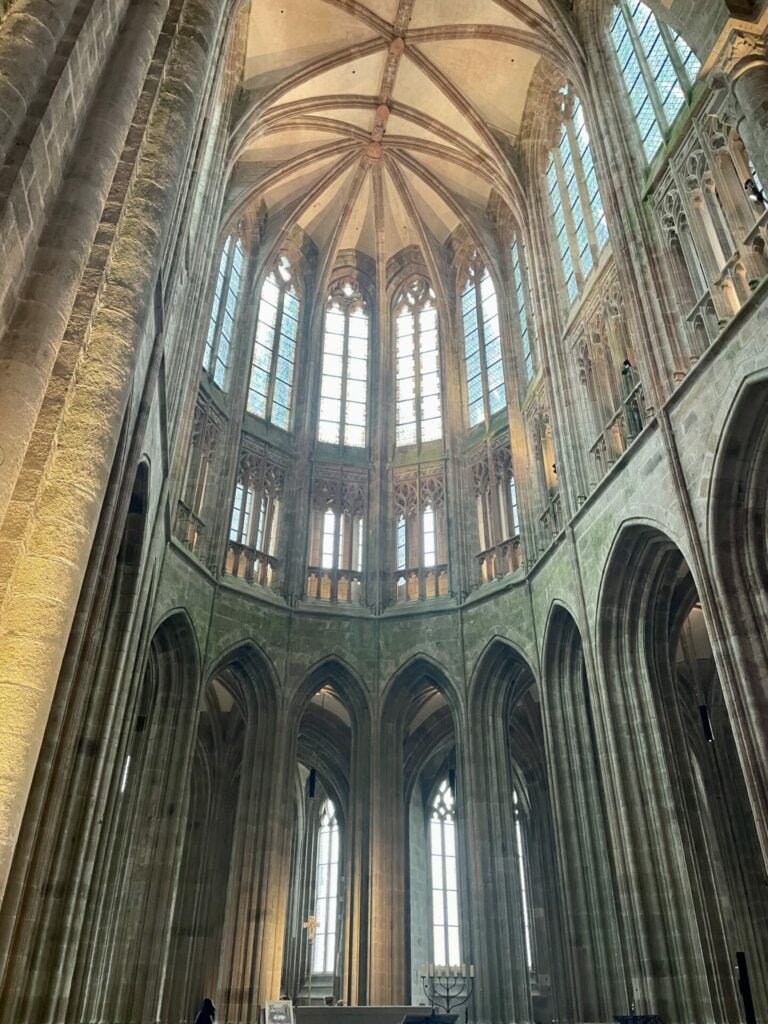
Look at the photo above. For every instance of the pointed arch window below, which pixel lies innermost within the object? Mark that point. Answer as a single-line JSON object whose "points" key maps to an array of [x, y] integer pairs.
{"points": [[446, 946], [326, 891]]}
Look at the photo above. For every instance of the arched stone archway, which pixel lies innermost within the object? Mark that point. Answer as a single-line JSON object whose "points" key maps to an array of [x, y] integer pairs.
{"points": [[230, 792], [419, 708], [738, 539], [676, 797], [329, 734]]}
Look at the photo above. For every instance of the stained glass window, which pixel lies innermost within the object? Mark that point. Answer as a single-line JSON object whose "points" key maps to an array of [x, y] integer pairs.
{"points": [[486, 393], [658, 68], [326, 891], [445, 889], [270, 390], [524, 304], [419, 406], [344, 383], [577, 208], [218, 343]]}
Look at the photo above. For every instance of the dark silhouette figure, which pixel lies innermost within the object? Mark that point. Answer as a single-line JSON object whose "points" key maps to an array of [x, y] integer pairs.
{"points": [[207, 1014]]}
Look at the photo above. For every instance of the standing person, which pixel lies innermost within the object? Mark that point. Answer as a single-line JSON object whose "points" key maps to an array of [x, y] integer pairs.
{"points": [[207, 1014]]}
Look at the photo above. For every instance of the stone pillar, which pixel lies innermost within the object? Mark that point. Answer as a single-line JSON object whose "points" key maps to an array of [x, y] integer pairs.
{"points": [[49, 533], [743, 65], [386, 978], [496, 935]]}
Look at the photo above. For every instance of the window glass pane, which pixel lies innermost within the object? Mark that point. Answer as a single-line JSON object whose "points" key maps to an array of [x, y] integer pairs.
{"points": [[445, 906], [221, 279]]}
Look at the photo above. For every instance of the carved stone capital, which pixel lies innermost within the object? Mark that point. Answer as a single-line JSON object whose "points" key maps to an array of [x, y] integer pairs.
{"points": [[741, 52]]}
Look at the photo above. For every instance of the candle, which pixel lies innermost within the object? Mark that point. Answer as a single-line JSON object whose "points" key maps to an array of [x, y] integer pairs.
{"points": [[423, 971], [463, 970], [431, 970], [471, 970]]}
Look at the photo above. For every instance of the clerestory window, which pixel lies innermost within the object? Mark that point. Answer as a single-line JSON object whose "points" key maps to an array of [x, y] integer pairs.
{"points": [[577, 207], [445, 890], [524, 304], [326, 891], [658, 68], [344, 382], [419, 406], [486, 393], [218, 344], [270, 391]]}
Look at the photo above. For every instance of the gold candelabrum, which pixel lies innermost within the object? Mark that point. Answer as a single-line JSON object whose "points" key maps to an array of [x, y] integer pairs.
{"points": [[447, 986]]}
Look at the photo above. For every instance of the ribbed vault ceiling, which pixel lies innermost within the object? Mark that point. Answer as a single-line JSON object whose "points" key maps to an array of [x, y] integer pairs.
{"points": [[383, 124]]}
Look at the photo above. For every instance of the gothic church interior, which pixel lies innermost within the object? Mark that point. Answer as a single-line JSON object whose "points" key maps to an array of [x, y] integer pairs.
{"points": [[383, 509]]}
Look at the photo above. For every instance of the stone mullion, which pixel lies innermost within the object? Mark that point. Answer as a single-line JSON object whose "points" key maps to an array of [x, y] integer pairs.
{"points": [[517, 442], [297, 519], [461, 573], [377, 557]]}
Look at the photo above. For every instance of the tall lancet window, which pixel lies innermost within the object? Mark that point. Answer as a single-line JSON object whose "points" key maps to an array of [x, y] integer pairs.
{"points": [[419, 408], [344, 384], [218, 344], [445, 894], [524, 304], [577, 208], [482, 346], [270, 391], [525, 896], [658, 67], [326, 891]]}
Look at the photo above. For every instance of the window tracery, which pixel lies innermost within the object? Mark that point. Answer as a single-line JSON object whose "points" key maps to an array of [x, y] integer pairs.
{"points": [[419, 404], [221, 324], [200, 478], [446, 946], [344, 382], [658, 68], [270, 389], [486, 393], [337, 538], [577, 207], [255, 519], [421, 569], [498, 518]]}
